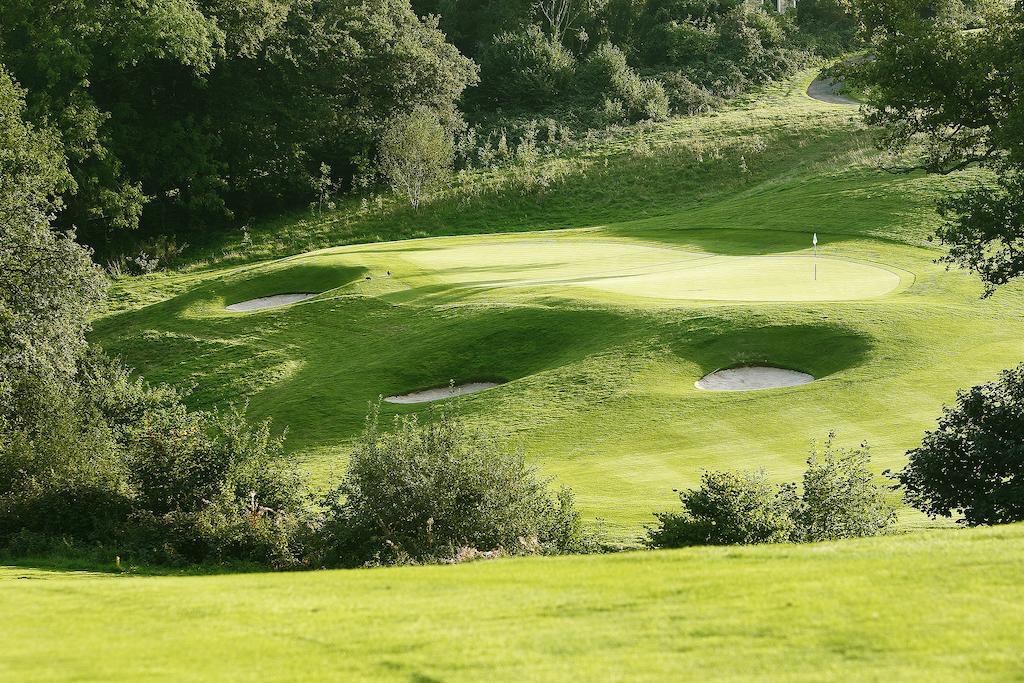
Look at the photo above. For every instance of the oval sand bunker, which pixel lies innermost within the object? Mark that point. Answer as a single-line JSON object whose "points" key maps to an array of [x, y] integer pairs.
{"points": [[442, 392], [270, 302], [752, 378]]}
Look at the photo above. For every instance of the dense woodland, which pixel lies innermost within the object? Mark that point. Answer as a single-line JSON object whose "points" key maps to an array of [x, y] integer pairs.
{"points": [[188, 115], [171, 117]]}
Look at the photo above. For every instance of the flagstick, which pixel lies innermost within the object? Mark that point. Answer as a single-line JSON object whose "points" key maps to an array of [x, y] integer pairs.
{"points": [[814, 241]]}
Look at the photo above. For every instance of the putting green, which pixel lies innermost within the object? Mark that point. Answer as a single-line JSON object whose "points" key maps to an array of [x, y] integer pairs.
{"points": [[623, 267]]}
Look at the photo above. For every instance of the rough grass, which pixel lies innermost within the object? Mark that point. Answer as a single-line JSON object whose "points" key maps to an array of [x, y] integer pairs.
{"points": [[930, 606]]}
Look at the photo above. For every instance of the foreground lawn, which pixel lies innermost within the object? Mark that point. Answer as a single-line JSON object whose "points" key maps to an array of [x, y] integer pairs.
{"points": [[941, 605]]}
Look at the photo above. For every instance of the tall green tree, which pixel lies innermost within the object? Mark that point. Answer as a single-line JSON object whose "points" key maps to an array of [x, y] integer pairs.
{"points": [[184, 112], [949, 97], [48, 284], [415, 153]]}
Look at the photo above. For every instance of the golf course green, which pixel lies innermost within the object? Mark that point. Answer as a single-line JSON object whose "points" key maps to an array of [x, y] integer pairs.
{"points": [[597, 334]]}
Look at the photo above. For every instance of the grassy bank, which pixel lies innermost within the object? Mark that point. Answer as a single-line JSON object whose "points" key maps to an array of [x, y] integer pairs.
{"points": [[938, 605]]}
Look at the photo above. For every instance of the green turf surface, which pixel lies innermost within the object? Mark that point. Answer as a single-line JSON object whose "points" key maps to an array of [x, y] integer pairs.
{"points": [[601, 331], [941, 605]]}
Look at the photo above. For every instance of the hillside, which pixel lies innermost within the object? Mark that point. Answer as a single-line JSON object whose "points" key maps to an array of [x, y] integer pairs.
{"points": [[676, 264]]}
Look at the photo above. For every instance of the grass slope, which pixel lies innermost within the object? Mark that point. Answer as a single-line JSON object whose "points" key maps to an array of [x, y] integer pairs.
{"points": [[943, 605], [601, 331]]}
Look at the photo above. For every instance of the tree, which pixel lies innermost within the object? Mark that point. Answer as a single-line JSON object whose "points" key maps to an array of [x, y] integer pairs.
{"points": [[562, 16], [48, 283], [189, 112], [972, 464], [415, 153], [950, 98]]}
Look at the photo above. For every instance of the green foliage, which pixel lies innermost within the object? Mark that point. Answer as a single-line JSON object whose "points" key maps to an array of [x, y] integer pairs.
{"points": [[525, 69], [945, 99], [48, 284], [86, 453], [127, 467], [437, 490], [605, 75], [196, 111], [685, 96], [972, 464], [729, 508], [839, 499], [416, 153]]}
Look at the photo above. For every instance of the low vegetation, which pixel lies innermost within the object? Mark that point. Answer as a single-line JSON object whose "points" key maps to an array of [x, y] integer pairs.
{"points": [[839, 499], [437, 491]]}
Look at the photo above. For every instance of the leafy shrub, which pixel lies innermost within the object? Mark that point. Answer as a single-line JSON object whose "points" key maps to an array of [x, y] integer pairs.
{"points": [[685, 96], [606, 77], [840, 499], [972, 464], [525, 69], [127, 466], [682, 42], [427, 491], [729, 508]]}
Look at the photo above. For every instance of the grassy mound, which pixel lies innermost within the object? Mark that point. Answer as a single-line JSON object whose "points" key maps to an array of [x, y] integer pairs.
{"points": [[937, 605]]}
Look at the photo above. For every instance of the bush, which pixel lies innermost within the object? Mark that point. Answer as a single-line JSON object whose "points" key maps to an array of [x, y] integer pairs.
{"points": [[685, 96], [840, 499], [525, 69], [429, 491], [606, 77], [126, 466], [972, 464], [729, 508]]}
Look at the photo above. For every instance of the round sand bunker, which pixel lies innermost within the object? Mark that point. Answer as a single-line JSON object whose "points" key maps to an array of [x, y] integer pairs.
{"points": [[752, 378], [441, 393], [270, 302]]}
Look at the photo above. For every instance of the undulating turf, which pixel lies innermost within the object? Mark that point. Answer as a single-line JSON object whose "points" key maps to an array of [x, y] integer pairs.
{"points": [[940, 605], [601, 331]]}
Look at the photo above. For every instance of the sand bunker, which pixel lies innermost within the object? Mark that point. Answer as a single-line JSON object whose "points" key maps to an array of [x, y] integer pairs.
{"points": [[752, 378], [270, 302], [442, 392]]}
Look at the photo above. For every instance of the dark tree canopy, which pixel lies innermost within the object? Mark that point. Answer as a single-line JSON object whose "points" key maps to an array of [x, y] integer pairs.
{"points": [[953, 97], [972, 464], [192, 110]]}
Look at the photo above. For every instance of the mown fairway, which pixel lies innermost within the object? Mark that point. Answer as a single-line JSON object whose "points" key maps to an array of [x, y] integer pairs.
{"points": [[933, 606], [601, 332]]}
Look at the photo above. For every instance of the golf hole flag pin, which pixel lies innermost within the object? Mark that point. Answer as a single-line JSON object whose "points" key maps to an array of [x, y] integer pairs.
{"points": [[814, 241]]}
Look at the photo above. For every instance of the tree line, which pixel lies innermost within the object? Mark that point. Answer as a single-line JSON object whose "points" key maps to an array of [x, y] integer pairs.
{"points": [[186, 115]]}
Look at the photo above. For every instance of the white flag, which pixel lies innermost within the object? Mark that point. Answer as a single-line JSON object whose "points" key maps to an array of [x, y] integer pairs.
{"points": [[815, 241]]}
